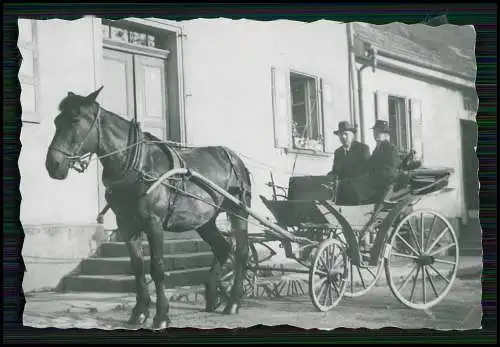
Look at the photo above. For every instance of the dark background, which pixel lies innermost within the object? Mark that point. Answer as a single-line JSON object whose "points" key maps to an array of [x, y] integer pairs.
{"points": [[481, 15]]}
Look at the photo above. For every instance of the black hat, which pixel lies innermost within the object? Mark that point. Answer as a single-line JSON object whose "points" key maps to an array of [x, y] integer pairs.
{"points": [[345, 126], [382, 126]]}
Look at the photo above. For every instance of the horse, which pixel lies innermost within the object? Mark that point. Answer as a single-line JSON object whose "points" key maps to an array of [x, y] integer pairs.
{"points": [[132, 159]]}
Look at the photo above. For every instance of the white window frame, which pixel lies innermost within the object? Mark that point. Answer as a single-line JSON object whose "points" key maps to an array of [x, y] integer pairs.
{"points": [[414, 117], [284, 137], [34, 80], [307, 142]]}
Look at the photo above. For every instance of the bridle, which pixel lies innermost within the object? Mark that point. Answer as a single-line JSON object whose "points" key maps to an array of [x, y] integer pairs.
{"points": [[80, 162]]}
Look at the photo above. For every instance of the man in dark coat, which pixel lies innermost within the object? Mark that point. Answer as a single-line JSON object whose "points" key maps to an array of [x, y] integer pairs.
{"points": [[383, 166], [350, 161]]}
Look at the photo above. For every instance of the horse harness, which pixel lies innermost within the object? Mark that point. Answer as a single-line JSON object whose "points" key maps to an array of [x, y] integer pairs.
{"points": [[132, 171]]}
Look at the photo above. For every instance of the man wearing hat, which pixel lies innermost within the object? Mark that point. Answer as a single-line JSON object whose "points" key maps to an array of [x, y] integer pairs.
{"points": [[350, 161], [383, 166]]}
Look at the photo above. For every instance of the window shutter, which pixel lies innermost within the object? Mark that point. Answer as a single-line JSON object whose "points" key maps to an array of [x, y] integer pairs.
{"points": [[329, 119], [281, 107], [417, 129], [381, 106], [28, 71]]}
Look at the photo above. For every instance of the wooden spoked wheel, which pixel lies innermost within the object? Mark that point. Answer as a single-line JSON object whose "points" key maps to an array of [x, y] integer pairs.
{"points": [[226, 281], [423, 248], [328, 275], [362, 279]]}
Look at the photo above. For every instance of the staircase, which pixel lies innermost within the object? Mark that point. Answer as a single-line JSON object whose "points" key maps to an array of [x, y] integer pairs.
{"points": [[187, 261]]}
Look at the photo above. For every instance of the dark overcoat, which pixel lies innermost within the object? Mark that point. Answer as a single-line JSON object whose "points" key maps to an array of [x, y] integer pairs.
{"points": [[347, 167], [383, 169]]}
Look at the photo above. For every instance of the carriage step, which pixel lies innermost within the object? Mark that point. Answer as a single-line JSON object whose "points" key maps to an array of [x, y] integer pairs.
{"points": [[181, 246], [126, 283], [121, 265]]}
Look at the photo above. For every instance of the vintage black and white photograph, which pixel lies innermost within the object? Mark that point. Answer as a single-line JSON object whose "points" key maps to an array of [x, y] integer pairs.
{"points": [[223, 173]]}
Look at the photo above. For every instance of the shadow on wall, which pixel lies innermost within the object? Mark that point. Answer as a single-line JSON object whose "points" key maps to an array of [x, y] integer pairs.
{"points": [[51, 252]]}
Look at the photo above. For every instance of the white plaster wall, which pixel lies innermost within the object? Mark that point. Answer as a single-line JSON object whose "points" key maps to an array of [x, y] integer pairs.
{"points": [[66, 63], [228, 83], [442, 108]]}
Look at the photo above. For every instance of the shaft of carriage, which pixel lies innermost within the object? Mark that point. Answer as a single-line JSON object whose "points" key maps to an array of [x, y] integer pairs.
{"points": [[199, 179]]}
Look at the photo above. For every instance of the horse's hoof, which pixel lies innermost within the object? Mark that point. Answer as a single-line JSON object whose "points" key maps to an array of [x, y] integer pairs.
{"points": [[231, 309], [161, 324], [139, 319]]}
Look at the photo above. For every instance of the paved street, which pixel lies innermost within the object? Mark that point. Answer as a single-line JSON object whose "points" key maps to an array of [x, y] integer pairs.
{"points": [[461, 309]]}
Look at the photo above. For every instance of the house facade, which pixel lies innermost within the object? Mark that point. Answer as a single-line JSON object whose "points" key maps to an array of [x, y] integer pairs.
{"points": [[248, 85], [427, 93], [273, 92]]}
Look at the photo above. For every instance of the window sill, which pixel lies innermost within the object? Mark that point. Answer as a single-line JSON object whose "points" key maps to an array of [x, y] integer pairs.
{"points": [[310, 152]]}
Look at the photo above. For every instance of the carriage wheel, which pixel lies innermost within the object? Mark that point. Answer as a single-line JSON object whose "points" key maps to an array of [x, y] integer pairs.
{"points": [[425, 249], [226, 281], [362, 279], [328, 275]]}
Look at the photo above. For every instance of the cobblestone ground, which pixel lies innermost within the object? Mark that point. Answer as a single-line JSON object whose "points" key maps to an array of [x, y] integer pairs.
{"points": [[461, 309]]}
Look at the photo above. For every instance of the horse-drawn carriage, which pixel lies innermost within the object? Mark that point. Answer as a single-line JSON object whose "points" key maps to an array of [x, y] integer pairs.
{"points": [[345, 258], [152, 186]]}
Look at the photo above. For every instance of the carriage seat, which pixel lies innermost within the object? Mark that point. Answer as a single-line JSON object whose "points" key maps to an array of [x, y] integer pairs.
{"points": [[310, 188]]}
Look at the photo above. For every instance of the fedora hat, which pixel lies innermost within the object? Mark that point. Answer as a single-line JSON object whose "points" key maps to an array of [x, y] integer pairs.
{"points": [[382, 125], [345, 126]]}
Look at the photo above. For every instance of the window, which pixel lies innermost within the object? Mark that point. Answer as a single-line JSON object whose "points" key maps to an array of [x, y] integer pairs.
{"points": [[302, 109], [399, 120], [405, 118], [28, 71], [306, 116]]}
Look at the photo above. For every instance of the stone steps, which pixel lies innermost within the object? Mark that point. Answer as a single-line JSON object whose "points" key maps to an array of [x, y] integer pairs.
{"points": [[126, 283], [122, 266], [173, 246], [187, 262]]}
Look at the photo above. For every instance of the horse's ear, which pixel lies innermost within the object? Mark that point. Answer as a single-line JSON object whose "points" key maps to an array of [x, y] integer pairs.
{"points": [[93, 96], [71, 94]]}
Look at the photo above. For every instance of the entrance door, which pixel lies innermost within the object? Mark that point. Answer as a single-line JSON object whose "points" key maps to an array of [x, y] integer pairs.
{"points": [[470, 166], [134, 87]]}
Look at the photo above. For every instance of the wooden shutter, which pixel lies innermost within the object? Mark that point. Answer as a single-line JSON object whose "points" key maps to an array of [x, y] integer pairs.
{"points": [[151, 94], [28, 71], [282, 119], [117, 95], [381, 106], [329, 117], [417, 128]]}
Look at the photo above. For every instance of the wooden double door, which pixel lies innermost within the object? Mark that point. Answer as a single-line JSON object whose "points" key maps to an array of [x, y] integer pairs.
{"points": [[134, 87]]}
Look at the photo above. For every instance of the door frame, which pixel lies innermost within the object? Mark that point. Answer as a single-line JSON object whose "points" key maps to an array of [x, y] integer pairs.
{"points": [[98, 49]]}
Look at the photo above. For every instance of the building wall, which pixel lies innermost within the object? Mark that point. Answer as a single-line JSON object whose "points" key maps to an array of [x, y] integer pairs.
{"points": [[229, 92], [66, 63], [442, 108], [57, 216]]}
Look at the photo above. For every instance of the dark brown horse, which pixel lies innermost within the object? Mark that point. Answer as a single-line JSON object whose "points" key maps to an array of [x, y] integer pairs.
{"points": [[131, 160]]}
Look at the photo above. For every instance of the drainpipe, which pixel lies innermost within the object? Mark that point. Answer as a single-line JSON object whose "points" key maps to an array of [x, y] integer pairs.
{"points": [[372, 54], [352, 78]]}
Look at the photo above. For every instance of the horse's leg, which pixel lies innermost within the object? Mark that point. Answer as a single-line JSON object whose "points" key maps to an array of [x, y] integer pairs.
{"points": [[220, 248], [154, 231], [239, 229], [140, 313]]}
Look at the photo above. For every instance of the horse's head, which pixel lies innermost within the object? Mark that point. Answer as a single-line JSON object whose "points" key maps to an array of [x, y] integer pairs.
{"points": [[77, 135]]}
